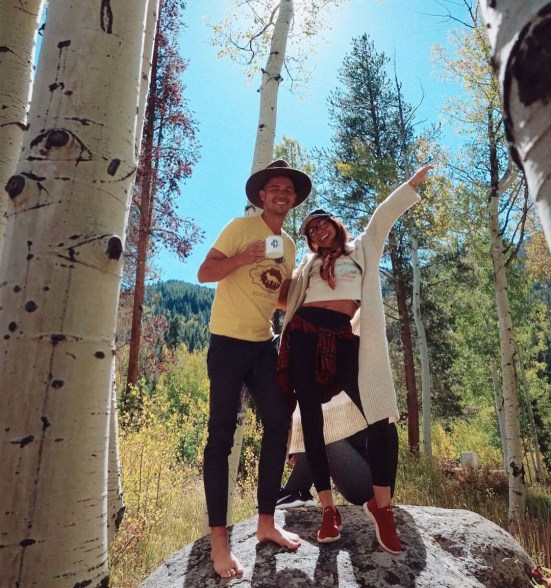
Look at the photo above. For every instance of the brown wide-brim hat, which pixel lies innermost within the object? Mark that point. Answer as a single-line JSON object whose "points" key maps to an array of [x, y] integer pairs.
{"points": [[301, 182]]}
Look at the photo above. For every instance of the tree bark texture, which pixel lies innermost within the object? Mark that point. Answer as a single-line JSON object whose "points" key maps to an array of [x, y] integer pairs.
{"points": [[263, 154], [531, 420], [412, 399], [515, 468], [150, 34], [145, 207], [520, 36], [271, 78], [18, 28], [61, 269], [422, 342], [115, 500], [498, 400]]}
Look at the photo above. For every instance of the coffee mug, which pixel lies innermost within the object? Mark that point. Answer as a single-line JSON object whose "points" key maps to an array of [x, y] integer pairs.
{"points": [[274, 246]]}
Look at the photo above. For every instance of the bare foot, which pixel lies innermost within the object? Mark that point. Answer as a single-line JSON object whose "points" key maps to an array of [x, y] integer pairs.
{"points": [[226, 565], [269, 530]]}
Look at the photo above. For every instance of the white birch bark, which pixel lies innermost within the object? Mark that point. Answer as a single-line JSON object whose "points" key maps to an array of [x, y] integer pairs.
{"points": [[538, 465], [115, 499], [263, 154], [150, 32], [271, 78], [422, 342], [515, 468], [18, 29], [518, 33], [235, 455], [61, 270], [530, 462], [498, 400]]}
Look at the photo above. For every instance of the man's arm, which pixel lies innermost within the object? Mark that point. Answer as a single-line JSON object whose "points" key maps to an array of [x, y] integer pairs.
{"points": [[217, 266]]}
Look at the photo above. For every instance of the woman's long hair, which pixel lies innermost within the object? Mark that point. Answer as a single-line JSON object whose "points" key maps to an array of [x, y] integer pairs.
{"points": [[342, 237]]}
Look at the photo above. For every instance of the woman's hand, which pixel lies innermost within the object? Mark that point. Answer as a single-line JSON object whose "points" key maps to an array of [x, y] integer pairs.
{"points": [[420, 176]]}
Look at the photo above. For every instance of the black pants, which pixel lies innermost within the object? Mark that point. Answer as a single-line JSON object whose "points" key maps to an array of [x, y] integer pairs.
{"points": [[232, 363], [382, 455]]}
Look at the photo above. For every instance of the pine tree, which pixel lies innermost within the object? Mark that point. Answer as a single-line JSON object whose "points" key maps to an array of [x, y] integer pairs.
{"points": [[363, 165]]}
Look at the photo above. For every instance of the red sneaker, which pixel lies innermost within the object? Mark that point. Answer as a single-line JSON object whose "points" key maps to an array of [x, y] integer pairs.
{"points": [[329, 530], [338, 519], [383, 519]]}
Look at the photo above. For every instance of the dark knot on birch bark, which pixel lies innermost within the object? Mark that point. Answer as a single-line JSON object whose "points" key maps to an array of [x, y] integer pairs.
{"points": [[15, 186], [57, 138], [114, 248]]}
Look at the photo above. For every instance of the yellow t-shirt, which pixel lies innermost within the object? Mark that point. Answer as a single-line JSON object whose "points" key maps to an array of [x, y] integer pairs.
{"points": [[245, 300]]}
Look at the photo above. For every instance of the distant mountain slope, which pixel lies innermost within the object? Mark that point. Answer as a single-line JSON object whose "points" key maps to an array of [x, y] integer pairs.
{"points": [[186, 308]]}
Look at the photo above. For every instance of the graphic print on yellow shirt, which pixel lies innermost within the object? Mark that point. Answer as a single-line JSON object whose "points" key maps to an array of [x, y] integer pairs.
{"points": [[270, 278], [246, 299]]}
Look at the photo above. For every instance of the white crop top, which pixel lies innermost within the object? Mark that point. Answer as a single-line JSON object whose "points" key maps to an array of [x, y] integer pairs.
{"points": [[348, 280]]}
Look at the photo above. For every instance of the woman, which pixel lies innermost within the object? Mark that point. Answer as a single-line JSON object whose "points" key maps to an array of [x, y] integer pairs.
{"points": [[321, 355]]}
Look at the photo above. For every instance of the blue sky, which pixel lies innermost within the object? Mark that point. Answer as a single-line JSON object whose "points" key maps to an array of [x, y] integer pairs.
{"points": [[226, 108]]}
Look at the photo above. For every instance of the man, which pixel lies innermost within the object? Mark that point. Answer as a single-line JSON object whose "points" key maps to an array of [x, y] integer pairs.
{"points": [[243, 350]]}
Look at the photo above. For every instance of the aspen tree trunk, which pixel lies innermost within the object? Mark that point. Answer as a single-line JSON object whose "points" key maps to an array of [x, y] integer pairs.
{"points": [[530, 461], [61, 271], [147, 178], [115, 501], [271, 78], [263, 154], [416, 295], [515, 468], [498, 400], [412, 400], [538, 465], [115, 498], [150, 34], [18, 28], [520, 40], [422, 341]]}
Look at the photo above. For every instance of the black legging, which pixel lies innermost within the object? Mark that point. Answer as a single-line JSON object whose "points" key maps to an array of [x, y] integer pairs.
{"points": [[382, 435], [349, 468]]}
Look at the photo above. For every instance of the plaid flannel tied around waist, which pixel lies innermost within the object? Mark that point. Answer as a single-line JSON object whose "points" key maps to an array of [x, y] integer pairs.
{"points": [[326, 357]]}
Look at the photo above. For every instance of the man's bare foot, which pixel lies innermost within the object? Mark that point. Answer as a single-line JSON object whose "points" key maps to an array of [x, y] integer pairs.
{"points": [[226, 565], [269, 530]]}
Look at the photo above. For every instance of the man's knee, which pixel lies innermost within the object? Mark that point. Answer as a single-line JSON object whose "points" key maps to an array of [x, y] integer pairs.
{"points": [[279, 418], [220, 437]]}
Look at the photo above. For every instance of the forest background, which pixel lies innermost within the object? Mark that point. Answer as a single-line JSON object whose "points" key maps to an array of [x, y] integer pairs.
{"points": [[450, 114], [465, 276]]}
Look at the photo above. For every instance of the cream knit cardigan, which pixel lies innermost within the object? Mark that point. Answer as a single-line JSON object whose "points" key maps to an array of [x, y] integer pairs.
{"points": [[375, 376]]}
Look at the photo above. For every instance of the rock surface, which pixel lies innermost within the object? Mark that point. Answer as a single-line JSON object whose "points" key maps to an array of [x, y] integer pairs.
{"points": [[441, 548]]}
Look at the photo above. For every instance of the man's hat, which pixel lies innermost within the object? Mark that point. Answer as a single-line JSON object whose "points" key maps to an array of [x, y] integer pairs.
{"points": [[301, 182], [318, 213]]}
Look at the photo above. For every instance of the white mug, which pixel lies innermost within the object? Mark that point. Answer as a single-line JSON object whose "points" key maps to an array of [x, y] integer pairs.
{"points": [[274, 246]]}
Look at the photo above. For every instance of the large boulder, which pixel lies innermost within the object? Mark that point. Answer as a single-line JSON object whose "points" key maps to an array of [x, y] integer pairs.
{"points": [[441, 548]]}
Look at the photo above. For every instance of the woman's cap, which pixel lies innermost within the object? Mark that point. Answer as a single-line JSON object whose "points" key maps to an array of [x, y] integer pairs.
{"points": [[318, 213]]}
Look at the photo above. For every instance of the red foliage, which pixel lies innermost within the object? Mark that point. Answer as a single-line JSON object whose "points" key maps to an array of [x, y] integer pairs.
{"points": [[168, 152]]}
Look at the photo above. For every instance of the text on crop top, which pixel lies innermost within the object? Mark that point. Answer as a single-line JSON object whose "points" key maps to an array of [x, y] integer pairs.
{"points": [[348, 282]]}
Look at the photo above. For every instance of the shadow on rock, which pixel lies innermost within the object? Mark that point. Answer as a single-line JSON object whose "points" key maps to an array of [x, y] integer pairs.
{"points": [[441, 548], [266, 572]]}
